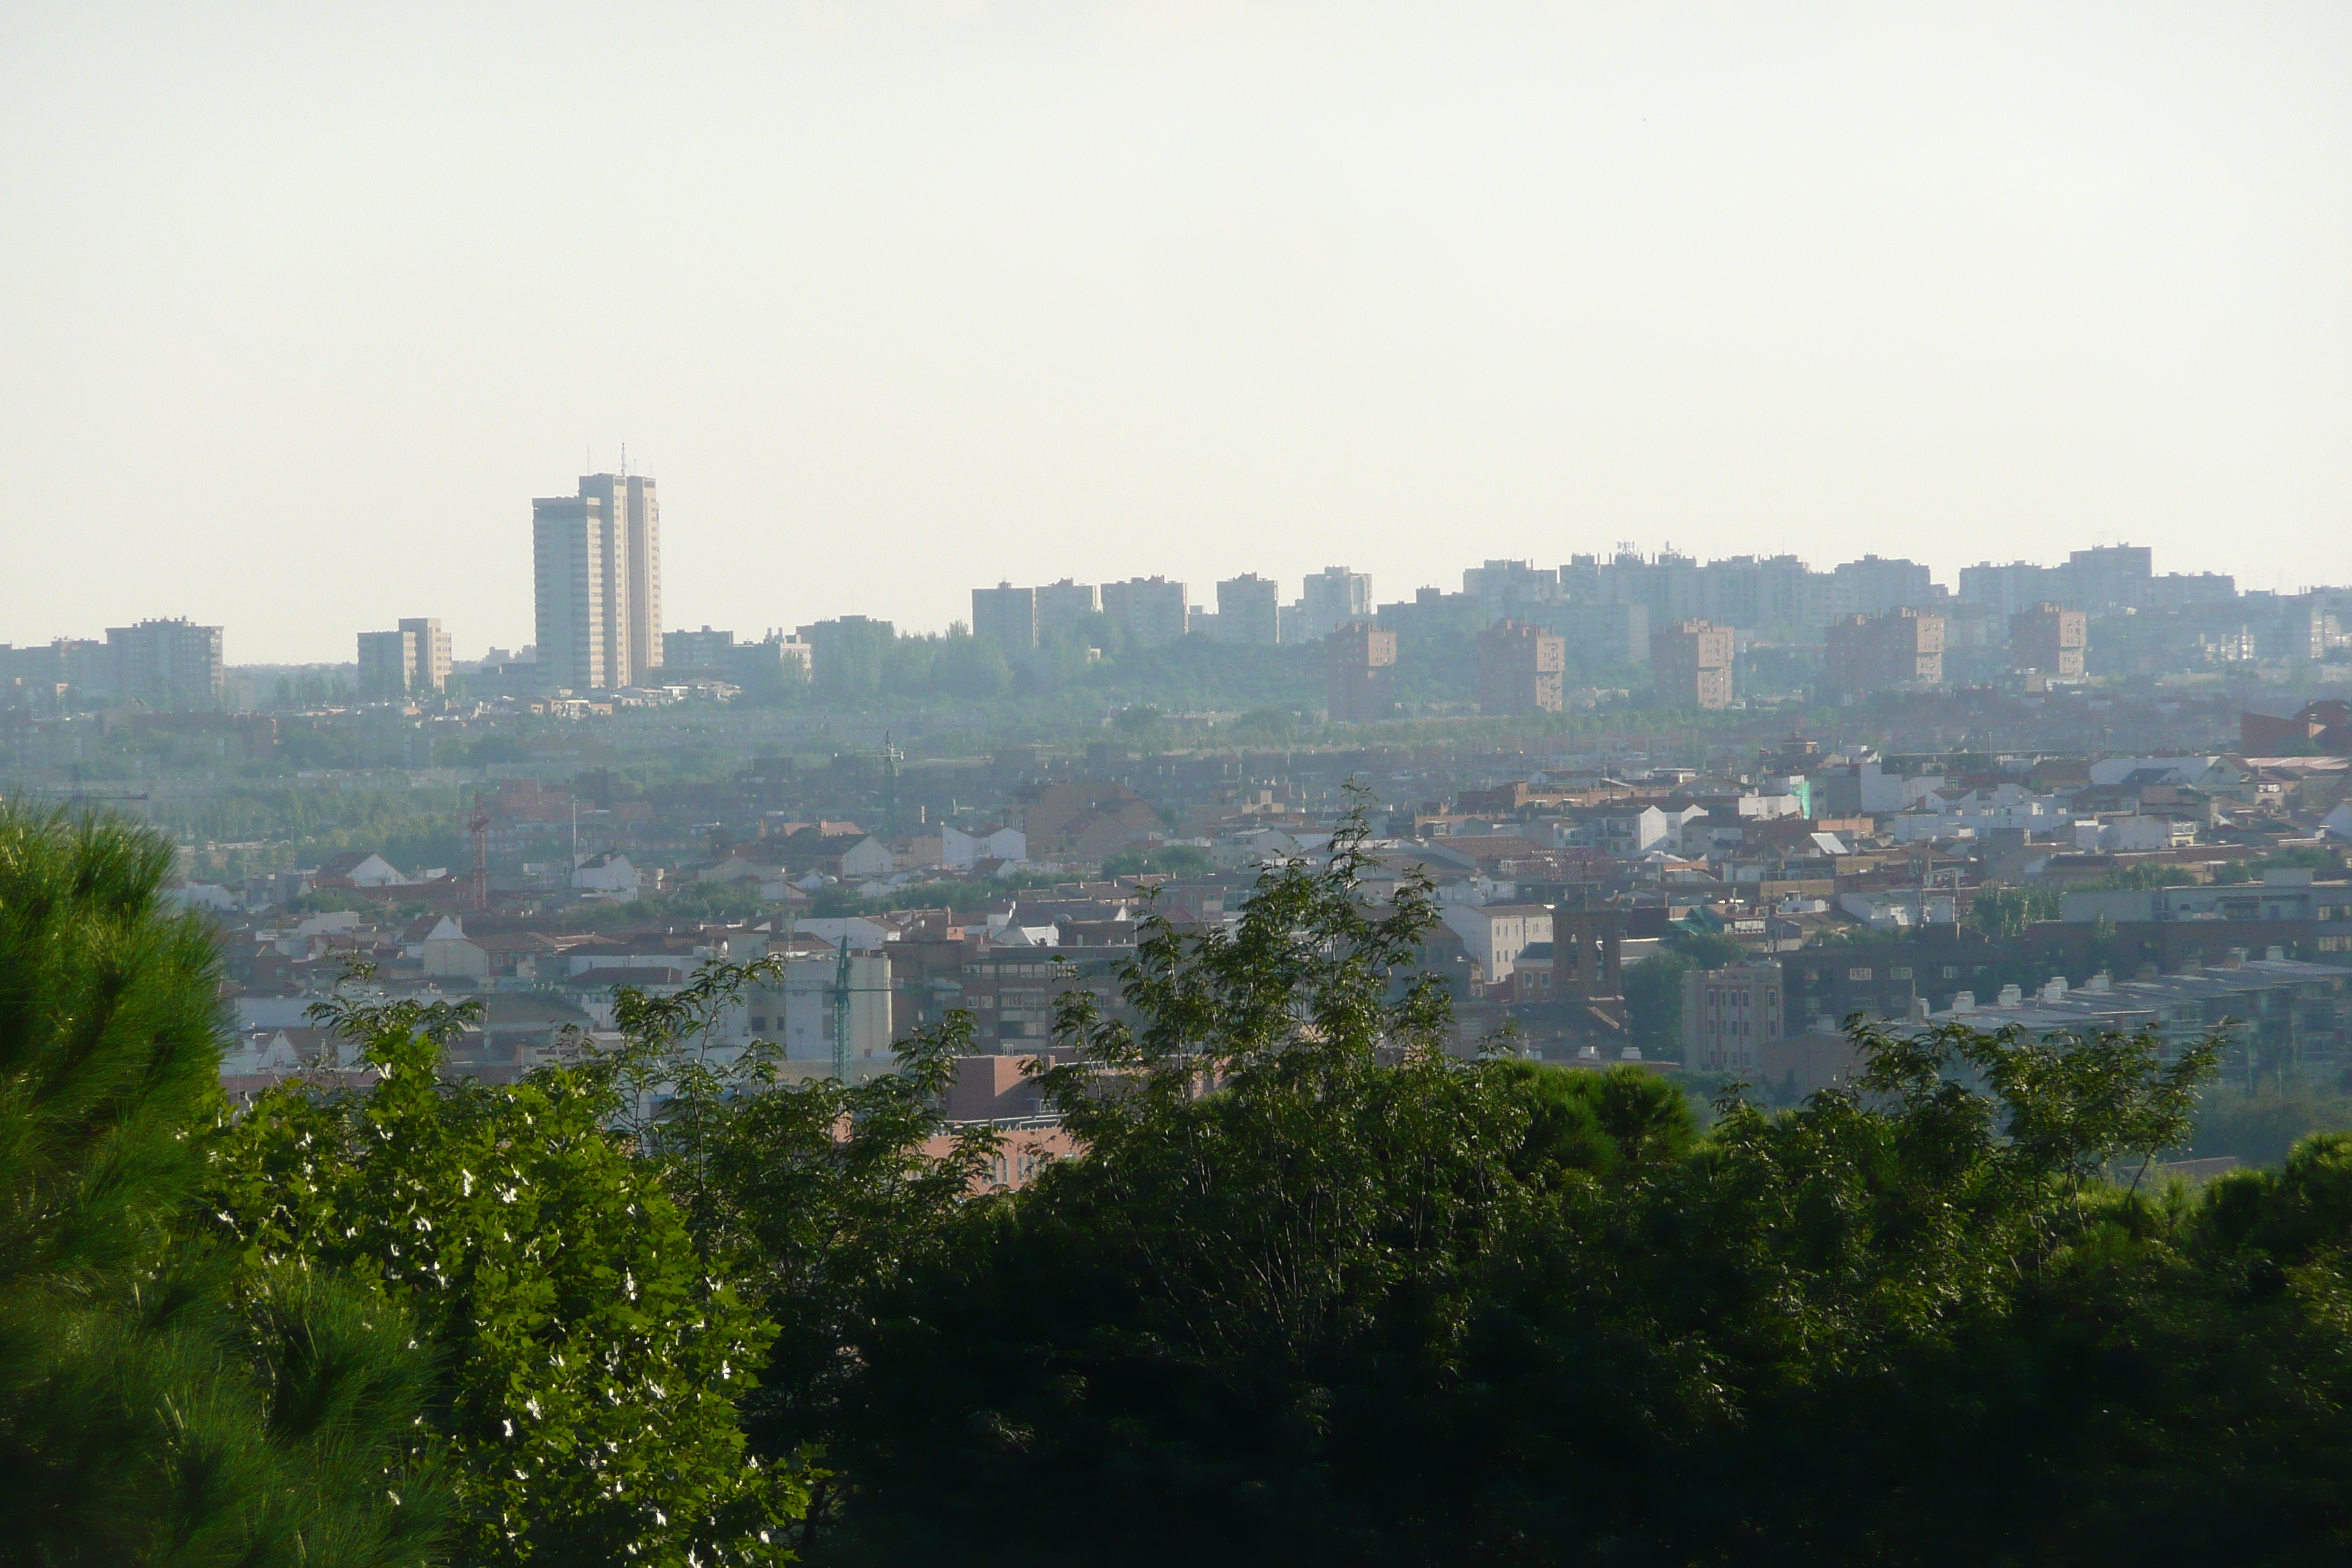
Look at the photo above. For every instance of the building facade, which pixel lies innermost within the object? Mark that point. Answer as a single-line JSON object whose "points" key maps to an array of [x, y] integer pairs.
{"points": [[433, 651], [1066, 610], [2049, 640], [705, 649], [597, 582], [386, 662], [167, 664], [1520, 668], [1359, 669], [1152, 610], [1249, 611], [1691, 663], [1005, 616], [1901, 650], [1332, 598], [1728, 1014]]}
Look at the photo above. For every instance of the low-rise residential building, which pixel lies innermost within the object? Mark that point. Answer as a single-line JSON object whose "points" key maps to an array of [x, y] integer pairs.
{"points": [[1495, 934], [1730, 1014]]}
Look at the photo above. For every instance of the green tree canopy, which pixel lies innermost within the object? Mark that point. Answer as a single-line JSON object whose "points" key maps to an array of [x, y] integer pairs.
{"points": [[157, 1403], [589, 1359]]}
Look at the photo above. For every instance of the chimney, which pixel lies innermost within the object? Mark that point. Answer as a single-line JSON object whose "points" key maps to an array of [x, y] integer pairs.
{"points": [[1963, 1003], [2010, 996]]}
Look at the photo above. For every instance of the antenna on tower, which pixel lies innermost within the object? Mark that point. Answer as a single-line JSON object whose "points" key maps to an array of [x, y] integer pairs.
{"points": [[625, 459]]}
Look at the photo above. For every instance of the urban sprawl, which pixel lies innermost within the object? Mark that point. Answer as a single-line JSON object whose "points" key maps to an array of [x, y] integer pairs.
{"points": [[1691, 814]]}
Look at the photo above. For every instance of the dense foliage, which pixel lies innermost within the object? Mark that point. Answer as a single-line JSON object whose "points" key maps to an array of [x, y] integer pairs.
{"points": [[158, 1401], [1363, 1302], [589, 1363], [1317, 1287]]}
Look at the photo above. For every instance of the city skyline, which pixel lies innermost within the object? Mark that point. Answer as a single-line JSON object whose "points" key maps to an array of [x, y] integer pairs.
{"points": [[1008, 294]]}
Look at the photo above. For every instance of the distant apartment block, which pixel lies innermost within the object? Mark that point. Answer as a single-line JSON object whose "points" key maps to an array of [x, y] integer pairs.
{"points": [[411, 661], [2049, 640], [1512, 590], [705, 649], [1005, 616], [754, 665], [1249, 611], [1607, 637], [1901, 650], [1729, 1013], [166, 664], [1520, 668], [80, 664], [1152, 610], [1690, 662], [1330, 599], [2107, 578], [1875, 585], [1066, 610], [840, 646], [597, 581], [1360, 671], [631, 499], [434, 663]]}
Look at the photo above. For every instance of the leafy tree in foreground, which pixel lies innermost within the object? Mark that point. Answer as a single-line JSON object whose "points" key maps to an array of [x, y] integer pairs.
{"points": [[157, 1404], [590, 1361], [1319, 1292], [814, 1196]]}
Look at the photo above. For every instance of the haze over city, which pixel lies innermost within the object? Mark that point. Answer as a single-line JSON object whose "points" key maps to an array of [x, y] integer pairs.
{"points": [[897, 300]]}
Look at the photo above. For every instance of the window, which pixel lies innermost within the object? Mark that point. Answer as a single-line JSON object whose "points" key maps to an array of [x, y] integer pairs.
{"points": [[1951, 972], [1900, 971], [1857, 974]]}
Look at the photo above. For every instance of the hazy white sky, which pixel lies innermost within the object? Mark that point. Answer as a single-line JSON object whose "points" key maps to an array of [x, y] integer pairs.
{"points": [[304, 303]]}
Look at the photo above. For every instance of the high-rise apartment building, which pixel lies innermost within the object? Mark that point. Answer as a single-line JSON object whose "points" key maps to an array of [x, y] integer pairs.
{"points": [[1065, 609], [1902, 650], [430, 672], [1249, 610], [1152, 610], [1602, 638], [1330, 599], [1519, 669], [1360, 671], [1005, 616], [597, 559], [2048, 640], [1691, 663], [1513, 589], [1873, 585], [411, 661], [705, 649], [167, 664], [387, 660]]}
